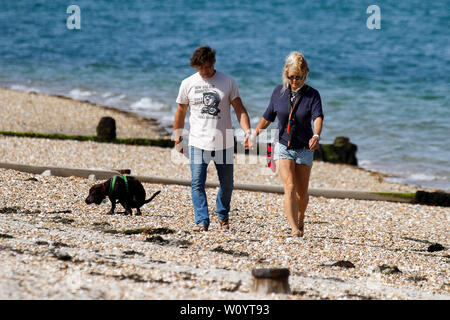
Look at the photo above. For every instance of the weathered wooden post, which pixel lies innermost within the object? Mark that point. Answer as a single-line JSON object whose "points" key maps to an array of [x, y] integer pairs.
{"points": [[106, 128], [271, 280]]}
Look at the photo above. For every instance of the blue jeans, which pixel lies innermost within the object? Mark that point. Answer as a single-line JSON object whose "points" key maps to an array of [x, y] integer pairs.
{"points": [[199, 160]]}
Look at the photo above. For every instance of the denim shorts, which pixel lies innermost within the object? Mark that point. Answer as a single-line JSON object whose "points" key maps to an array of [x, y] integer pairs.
{"points": [[300, 156]]}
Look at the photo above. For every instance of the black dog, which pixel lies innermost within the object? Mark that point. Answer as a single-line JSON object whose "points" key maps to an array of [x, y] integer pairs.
{"points": [[126, 190]]}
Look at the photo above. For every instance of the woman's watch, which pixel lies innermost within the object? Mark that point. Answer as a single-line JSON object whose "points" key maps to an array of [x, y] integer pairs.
{"points": [[316, 135]]}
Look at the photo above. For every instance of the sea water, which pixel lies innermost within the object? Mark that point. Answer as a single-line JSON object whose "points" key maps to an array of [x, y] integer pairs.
{"points": [[386, 89]]}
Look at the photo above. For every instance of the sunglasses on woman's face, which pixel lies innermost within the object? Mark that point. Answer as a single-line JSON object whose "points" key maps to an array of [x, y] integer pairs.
{"points": [[295, 77]]}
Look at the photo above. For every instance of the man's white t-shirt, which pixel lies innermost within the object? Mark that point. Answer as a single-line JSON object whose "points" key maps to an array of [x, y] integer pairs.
{"points": [[209, 102]]}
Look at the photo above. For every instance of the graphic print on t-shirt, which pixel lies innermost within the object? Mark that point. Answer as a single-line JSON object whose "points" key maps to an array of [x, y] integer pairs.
{"points": [[211, 102]]}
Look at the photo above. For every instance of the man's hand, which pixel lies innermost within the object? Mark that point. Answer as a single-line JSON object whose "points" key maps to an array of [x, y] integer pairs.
{"points": [[244, 120], [251, 142], [247, 143], [179, 145], [178, 125]]}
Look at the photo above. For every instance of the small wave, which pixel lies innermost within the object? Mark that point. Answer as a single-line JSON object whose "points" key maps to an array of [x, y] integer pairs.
{"points": [[147, 104], [424, 181], [422, 177], [114, 100], [21, 87], [364, 163], [166, 121], [79, 94]]}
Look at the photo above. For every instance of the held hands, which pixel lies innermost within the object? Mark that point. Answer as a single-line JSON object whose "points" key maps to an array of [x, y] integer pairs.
{"points": [[246, 142], [249, 141]]}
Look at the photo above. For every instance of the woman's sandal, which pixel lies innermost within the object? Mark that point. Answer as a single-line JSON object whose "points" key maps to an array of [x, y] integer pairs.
{"points": [[224, 224], [298, 233]]}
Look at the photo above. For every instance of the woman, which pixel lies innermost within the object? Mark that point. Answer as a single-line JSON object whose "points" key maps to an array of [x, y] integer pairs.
{"points": [[296, 105]]}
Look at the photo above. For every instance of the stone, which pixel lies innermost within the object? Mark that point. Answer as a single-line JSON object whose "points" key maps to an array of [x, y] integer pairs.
{"points": [[132, 253], [234, 288], [341, 151], [59, 244], [157, 239], [46, 173], [148, 231], [435, 247], [417, 278], [14, 209], [231, 252], [385, 269], [64, 256], [106, 128], [182, 243], [343, 264], [59, 219], [60, 211]]}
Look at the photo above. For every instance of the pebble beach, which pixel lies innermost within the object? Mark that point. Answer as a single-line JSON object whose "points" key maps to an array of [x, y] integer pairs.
{"points": [[54, 246]]}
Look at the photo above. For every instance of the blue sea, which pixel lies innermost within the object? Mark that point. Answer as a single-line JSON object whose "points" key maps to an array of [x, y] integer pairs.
{"points": [[386, 89]]}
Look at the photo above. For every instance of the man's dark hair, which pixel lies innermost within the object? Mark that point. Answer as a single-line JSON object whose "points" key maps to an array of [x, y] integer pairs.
{"points": [[203, 55]]}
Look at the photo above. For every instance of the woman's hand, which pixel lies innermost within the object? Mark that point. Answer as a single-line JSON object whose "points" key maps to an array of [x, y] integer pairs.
{"points": [[263, 124], [314, 143]]}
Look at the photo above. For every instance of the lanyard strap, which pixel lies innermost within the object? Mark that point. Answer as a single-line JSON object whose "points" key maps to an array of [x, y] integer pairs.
{"points": [[293, 108]]}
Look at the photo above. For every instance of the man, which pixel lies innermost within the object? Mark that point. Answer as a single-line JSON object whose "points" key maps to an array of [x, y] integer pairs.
{"points": [[208, 93]]}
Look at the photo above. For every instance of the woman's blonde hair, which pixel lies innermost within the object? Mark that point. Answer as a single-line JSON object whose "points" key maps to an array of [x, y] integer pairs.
{"points": [[297, 61]]}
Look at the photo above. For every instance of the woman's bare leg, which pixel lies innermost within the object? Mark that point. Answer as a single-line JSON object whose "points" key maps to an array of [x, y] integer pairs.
{"points": [[302, 174], [291, 209]]}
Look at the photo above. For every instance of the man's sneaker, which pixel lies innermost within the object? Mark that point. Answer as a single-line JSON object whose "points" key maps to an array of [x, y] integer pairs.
{"points": [[200, 228]]}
